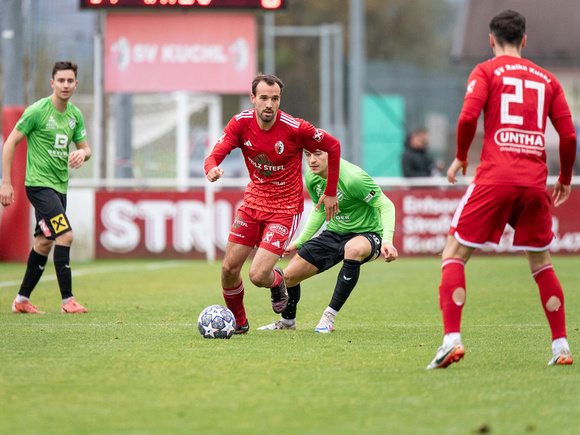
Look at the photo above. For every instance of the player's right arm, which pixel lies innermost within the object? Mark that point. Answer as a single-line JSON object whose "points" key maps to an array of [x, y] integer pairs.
{"points": [[475, 98], [8, 150], [226, 143]]}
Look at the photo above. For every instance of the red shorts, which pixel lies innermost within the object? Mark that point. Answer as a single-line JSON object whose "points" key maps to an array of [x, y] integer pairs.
{"points": [[270, 231], [485, 210]]}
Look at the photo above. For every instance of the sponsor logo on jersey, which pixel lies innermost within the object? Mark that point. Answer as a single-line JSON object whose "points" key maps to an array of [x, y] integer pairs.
{"points": [[279, 229], [318, 135], [519, 138], [59, 223], [471, 86], [72, 123], [268, 237], [370, 196], [51, 124], [279, 147], [248, 144]]}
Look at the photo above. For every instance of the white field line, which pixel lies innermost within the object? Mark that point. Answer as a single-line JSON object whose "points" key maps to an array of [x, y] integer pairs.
{"points": [[101, 270]]}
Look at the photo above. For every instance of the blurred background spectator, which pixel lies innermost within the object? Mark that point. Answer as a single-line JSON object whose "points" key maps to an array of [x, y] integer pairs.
{"points": [[416, 159]]}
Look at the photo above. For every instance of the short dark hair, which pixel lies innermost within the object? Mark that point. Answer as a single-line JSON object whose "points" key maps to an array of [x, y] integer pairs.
{"points": [[508, 27], [269, 79], [61, 66]]}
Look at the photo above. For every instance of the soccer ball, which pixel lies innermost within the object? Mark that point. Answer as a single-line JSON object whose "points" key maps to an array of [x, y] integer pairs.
{"points": [[216, 322]]}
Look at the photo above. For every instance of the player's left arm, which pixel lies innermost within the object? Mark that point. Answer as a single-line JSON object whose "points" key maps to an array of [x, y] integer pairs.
{"points": [[387, 211], [562, 121], [322, 140], [77, 157]]}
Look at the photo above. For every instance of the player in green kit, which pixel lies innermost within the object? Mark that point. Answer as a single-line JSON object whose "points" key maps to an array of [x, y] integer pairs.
{"points": [[50, 125], [361, 231]]}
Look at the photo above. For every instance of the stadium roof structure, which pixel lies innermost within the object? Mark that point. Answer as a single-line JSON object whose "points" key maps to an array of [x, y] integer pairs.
{"points": [[552, 27]]}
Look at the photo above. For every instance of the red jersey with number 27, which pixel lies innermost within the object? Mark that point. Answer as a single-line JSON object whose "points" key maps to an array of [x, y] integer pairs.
{"points": [[274, 159], [516, 96]]}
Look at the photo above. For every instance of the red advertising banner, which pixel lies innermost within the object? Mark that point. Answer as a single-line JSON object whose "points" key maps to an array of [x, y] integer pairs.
{"points": [[174, 224], [212, 53]]}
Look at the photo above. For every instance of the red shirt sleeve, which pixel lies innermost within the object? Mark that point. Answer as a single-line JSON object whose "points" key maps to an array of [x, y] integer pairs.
{"points": [[562, 120], [475, 98], [313, 139], [222, 148]]}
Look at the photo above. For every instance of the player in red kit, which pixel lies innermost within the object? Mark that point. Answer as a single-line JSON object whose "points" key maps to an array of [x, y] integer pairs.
{"points": [[272, 143], [509, 187]]}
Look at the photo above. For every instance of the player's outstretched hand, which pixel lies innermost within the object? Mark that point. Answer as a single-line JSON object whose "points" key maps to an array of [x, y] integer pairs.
{"points": [[561, 193], [215, 174], [454, 168], [290, 249], [389, 251], [6, 195], [330, 206]]}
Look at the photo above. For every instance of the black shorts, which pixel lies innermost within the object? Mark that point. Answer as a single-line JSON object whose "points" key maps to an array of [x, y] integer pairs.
{"points": [[327, 249], [50, 211]]}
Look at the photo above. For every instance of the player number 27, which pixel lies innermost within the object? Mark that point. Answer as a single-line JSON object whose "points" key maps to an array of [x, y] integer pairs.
{"points": [[517, 97]]}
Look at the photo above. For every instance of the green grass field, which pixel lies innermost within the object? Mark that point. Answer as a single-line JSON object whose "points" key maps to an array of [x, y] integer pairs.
{"points": [[136, 364]]}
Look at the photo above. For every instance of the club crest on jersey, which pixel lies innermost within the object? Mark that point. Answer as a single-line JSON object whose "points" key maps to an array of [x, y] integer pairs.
{"points": [[279, 147], [318, 135], [72, 123]]}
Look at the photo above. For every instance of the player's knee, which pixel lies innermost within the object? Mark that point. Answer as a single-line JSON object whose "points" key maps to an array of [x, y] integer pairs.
{"points": [[358, 249], [458, 296], [42, 245], [260, 278], [230, 271], [65, 239], [553, 304]]}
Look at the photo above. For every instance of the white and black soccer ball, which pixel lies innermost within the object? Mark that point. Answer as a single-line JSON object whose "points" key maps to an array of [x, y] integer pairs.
{"points": [[216, 322]]}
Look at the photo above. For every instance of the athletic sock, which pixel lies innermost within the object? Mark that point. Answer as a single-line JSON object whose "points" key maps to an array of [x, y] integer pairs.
{"points": [[234, 298], [289, 312], [345, 283], [62, 267], [277, 279], [34, 269], [550, 287], [452, 278], [331, 311]]}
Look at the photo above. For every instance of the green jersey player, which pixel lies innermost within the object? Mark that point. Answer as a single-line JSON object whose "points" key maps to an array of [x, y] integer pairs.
{"points": [[360, 232], [50, 126]]}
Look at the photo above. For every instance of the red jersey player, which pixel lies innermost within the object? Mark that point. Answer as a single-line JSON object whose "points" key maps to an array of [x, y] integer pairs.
{"points": [[509, 186], [272, 143]]}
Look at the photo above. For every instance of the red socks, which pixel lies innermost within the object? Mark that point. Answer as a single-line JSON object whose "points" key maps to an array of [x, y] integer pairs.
{"points": [[452, 278], [234, 298], [552, 299]]}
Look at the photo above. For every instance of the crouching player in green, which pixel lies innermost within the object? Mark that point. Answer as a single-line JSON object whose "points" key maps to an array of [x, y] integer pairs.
{"points": [[361, 231]]}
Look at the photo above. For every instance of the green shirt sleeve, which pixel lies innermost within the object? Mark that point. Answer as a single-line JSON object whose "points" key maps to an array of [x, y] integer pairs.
{"points": [[315, 218], [387, 211]]}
